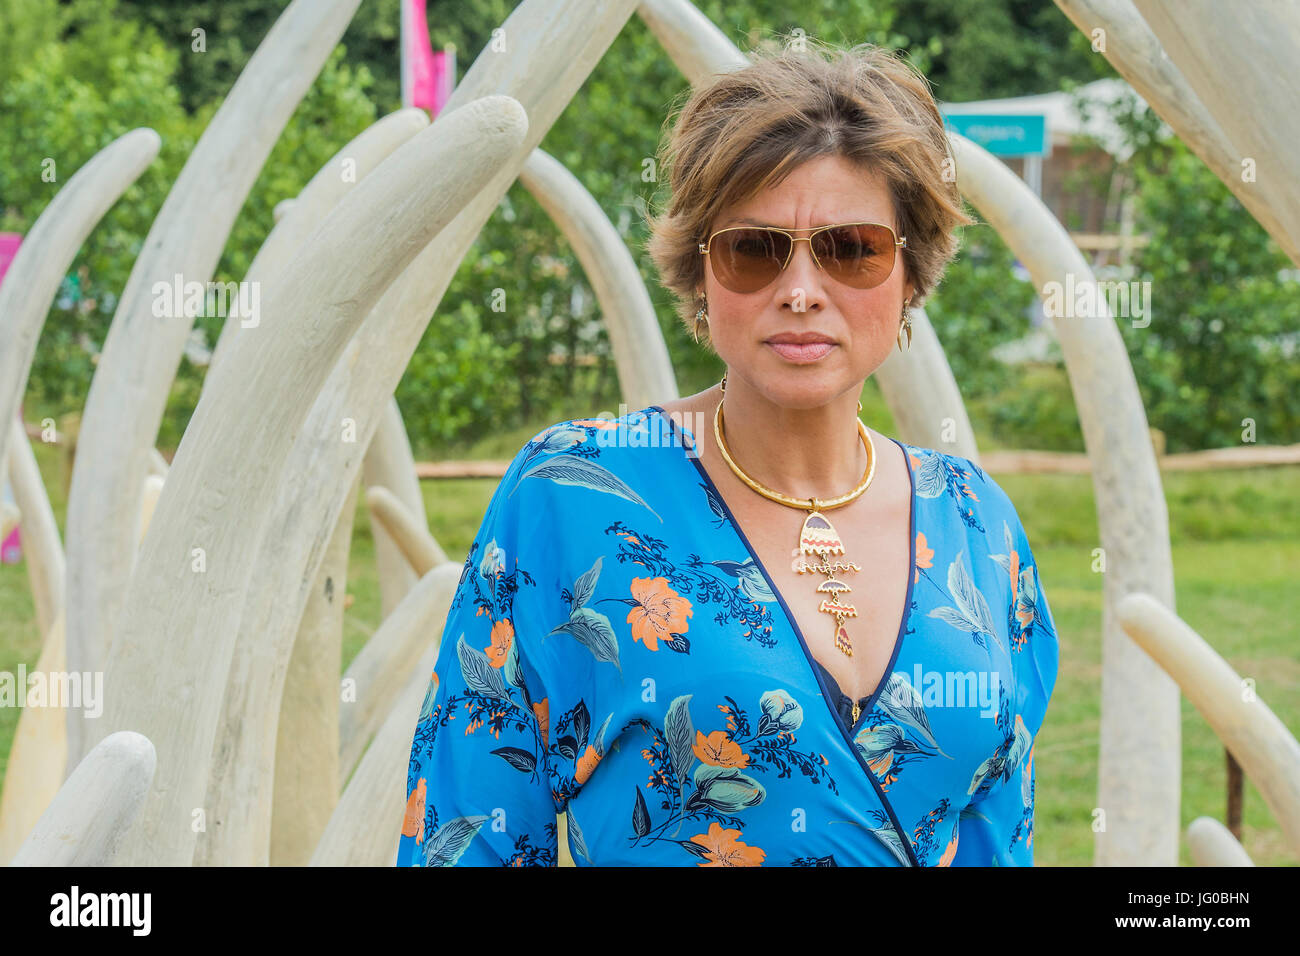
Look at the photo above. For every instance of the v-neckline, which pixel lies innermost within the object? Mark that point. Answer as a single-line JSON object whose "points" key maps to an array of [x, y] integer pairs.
{"points": [[809, 660], [813, 664]]}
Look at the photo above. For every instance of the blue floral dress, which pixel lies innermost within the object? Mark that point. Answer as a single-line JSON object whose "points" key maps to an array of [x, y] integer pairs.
{"points": [[617, 653]]}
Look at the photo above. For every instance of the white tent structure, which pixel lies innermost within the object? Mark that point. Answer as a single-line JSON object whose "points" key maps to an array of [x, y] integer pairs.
{"points": [[207, 592]]}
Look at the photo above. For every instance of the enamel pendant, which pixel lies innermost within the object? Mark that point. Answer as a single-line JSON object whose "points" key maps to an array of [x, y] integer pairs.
{"points": [[819, 538]]}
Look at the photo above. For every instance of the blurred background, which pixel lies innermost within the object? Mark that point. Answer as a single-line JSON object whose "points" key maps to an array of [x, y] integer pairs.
{"points": [[1220, 347]]}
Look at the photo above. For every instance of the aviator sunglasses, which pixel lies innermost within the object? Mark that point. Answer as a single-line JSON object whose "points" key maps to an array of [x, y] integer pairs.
{"points": [[746, 258]]}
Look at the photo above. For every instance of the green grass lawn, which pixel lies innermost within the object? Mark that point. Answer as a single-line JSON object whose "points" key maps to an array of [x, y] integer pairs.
{"points": [[1236, 551]]}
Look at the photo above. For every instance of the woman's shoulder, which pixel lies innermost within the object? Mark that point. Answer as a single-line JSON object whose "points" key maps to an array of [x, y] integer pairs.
{"points": [[937, 472], [600, 453]]}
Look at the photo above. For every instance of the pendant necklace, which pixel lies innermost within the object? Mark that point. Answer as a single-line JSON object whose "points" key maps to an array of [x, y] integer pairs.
{"points": [[818, 538]]}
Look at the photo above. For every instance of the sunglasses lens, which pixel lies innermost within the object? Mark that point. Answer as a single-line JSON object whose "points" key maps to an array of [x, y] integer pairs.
{"points": [[860, 256], [745, 260]]}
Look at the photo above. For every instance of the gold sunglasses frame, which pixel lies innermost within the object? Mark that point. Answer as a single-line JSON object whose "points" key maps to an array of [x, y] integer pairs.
{"points": [[812, 231]]}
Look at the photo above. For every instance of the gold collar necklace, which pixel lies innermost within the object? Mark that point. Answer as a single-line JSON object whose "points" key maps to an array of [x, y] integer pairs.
{"points": [[817, 537]]}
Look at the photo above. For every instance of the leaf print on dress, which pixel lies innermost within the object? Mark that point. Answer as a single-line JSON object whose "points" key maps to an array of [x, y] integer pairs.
{"points": [[567, 469], [526, 854], [451, 840], [926, 838], [700, 583], [494, 591], [717, 768], [937, 473], [572, 437], [749, 579], [489, 701], [589, 627], [557, 438], [1025, 828], [1024, 611], [1016, 744], [884, 741], [972, 612], [883, 829], [490, 683], [576, 838], [573, 745], [715, 505]]}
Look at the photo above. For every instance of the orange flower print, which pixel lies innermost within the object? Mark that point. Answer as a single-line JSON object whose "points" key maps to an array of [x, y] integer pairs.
{"points": [[586, 765], [924, 555], [719, 750], [1025, 599], [731, 720], [1015, 573], [950, 852], [503, 632], [881, 766], [725, 849], [413, 823], [604, 423], [659, 613], [542, 710], [916, 462]]}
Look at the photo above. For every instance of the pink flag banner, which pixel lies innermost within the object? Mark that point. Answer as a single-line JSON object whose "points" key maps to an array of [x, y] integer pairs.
{"points": [[11, 550], [427, 77], [9, 243]]}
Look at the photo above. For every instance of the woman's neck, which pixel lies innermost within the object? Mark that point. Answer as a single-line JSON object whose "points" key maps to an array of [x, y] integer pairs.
{"points": [[803, 453]]}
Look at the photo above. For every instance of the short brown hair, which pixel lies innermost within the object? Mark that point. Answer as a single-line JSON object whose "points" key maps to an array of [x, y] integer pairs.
{"points": [[751, 128]]}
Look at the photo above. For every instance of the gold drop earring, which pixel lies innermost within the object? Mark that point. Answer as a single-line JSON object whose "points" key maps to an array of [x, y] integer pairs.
{"points": [[905, 325], [701, 316]]}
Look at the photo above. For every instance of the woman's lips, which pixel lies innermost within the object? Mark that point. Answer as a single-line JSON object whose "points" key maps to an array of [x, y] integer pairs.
{"points": [[801, 354]]}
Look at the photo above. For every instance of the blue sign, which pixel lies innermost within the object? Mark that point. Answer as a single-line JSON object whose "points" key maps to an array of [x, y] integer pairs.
{"points": [[1003, 134]]}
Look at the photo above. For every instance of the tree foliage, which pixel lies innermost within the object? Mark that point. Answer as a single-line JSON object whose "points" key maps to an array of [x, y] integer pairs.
{"points": [[519, 333], [1217, 364]]}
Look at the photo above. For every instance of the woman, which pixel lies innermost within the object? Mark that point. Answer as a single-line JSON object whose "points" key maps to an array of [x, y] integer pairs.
{"points": [[737, 629]]}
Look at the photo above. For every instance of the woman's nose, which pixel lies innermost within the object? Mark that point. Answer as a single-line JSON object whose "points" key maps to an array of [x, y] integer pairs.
{"points": [[802, 266]]}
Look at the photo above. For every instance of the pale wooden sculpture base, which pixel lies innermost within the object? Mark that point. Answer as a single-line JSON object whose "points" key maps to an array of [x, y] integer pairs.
{"points": [[367, 824], [409, 534], [1268, 753], [240, 787], [128, 394], [38, 757], [1212, 844], [307, 738], [382, 668], [257, 401], [94, 809]]}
